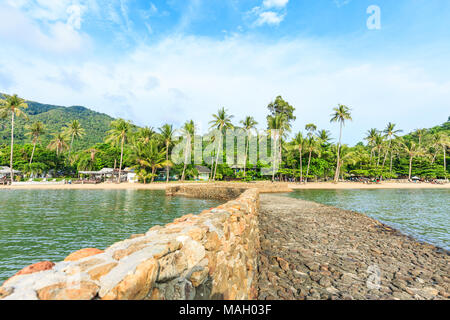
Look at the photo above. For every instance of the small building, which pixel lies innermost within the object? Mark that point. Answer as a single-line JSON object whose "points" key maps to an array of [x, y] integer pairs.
{"points": [[6, 172], [203, 173]]}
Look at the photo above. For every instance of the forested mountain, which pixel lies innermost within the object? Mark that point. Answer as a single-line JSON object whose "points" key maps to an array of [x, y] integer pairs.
{"points": [[55, 119]]}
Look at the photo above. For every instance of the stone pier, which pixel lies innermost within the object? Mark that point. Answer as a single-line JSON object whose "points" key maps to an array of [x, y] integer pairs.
{"points": [[313, 251]]}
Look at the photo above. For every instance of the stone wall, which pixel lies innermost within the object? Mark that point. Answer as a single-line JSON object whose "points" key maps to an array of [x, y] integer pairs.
{"points": [[212, 255]]}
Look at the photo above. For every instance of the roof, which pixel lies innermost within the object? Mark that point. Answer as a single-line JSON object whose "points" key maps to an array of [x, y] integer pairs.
{"points": [[7, 170], [203, 169]]}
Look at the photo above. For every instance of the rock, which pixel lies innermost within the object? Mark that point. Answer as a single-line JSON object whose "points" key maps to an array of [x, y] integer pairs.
{"points": [[324, 282], [98, 272], [83, 290], [198, 277], [37, 267], [283, 264], [83, 253], [4, 292], [136, 285]]}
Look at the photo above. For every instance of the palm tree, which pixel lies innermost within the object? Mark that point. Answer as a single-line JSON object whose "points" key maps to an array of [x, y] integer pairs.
{"points": [[371, 139], [389, 133], [188, 130], [58, 143], [145, 134], [74, 130], [221, 121], [420, 133], [248, 123], [148, 155], [443, 140], [324, 137], [379, 144], [14, 105], [167, 135], [35, 131], [347, 155], [120, 130], [311, 146], [299, 142], [411, 149], [277, 125], [340, 114]]}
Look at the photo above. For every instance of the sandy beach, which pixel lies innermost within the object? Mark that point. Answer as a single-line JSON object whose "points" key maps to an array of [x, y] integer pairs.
{"points": [[294, 186]]}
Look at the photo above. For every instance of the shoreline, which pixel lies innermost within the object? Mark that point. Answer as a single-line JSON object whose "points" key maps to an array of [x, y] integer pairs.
{"points": [[293, 186]]}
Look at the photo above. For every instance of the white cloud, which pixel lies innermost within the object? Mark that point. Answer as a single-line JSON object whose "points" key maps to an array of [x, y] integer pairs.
{"points": [[183, 78], [272, 12], [16, 28], [270, 18], [341, 3], [75, 12], [275, 3]]}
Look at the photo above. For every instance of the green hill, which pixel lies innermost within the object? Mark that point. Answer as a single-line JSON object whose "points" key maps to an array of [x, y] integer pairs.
{"points": [[55, 118]]}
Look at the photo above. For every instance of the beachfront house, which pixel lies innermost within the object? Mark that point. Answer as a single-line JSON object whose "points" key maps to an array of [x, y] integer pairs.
{"points": [[203, 173]]}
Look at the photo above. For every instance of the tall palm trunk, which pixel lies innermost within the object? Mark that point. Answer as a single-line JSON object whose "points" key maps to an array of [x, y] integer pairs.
{"points": [[390, 166], [70, 149], [245, 155], [410, 167], [307, 170], [385, 155], [445, 161], [12, 148], [217, 156], [336, 175], [301, 164], [188, 146], [167, 161], [121, 158], [32, 152], [275, 151]]}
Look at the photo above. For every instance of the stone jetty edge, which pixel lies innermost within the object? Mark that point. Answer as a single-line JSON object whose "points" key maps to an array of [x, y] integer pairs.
{"points": [[212, 255]]}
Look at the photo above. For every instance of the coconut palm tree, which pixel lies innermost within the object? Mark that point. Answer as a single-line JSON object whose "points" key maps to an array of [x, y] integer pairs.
{"points": [[299, 142], [412, 149], [371, 139], [221, 121], [145, 134], [148, 155], [167, 134], [58, 143], [420, 133], [120, 130], [311, 146], [340, 114], [248, 124], [35, 131], [188, 131], [324, 137], [278, 125], [443, 140], [12, 105], [378, 146], [347, 156], [389, 133], [74, 130]]}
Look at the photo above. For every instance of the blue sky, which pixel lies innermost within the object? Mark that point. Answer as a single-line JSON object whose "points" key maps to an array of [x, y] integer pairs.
{"points": [[172, 60]]}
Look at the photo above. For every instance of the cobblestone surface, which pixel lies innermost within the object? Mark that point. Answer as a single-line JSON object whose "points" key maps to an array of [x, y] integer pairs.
{"points": [[313, 251]]}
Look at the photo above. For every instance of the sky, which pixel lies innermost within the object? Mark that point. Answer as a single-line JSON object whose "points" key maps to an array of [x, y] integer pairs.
{"points": [[162, 61]]}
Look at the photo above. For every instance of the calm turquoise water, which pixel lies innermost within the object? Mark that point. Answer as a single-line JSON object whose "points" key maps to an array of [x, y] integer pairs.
{"points": [[423, 214], [38, 225]]}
